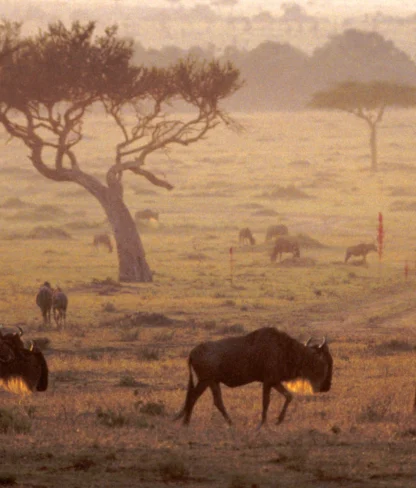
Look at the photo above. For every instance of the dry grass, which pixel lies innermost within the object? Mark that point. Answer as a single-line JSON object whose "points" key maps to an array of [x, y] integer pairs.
{"points": [[118, 370]]}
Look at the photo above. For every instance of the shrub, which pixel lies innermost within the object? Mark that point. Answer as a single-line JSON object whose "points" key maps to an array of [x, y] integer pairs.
{"points": [[377, 410], [11, 421], [392, 347], [231, 329], [151, 408], [7, 479], [109, 307], [130, 335], [164, 336], [148, 354], [173, 469], [48, 233], [110, 418], [128, 381]]}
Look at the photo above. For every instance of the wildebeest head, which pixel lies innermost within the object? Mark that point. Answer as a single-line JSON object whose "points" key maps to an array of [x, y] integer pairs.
{"points": [[11, 345], [323, 382], [21, 370]]}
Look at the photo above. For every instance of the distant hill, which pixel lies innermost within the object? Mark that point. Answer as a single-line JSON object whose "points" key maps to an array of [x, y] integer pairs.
{"points": [[281, 77]]}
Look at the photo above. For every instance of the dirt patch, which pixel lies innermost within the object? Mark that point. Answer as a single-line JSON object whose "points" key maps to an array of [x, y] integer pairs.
{"points": [[289, 192], [297, 263], [141, 319]]}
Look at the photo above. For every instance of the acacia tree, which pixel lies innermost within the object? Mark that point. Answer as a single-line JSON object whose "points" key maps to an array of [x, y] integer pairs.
{"points": [[50, 83], [368, 101]]}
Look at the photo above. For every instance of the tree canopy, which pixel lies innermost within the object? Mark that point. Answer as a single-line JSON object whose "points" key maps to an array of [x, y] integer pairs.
{"points": [[367, 101], [49, 82]]}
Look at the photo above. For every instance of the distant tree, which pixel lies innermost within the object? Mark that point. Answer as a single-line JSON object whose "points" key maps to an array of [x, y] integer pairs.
{"points": [[361, 56], [368, 101], [48, 87]]}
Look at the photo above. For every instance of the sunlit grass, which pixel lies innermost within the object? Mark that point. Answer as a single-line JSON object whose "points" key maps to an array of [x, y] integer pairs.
{"points": [[102, 361]]}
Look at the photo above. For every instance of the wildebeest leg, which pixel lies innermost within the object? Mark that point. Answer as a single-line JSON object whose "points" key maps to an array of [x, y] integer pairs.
{"points": [[288, 396], [216, 394], [266, 401], [191, 398]]}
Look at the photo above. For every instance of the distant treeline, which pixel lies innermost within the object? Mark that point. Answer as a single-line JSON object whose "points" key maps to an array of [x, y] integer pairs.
{"points": [[281, 77]]}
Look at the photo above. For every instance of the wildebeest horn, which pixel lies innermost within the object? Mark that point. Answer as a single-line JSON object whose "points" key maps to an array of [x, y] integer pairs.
{"points": [[20, 330], [308, 341], [31, 345], [323, 342]]}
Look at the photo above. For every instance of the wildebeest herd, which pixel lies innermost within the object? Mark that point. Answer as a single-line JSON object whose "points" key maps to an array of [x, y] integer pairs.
{"points": [[284, 243], [266, 355]]}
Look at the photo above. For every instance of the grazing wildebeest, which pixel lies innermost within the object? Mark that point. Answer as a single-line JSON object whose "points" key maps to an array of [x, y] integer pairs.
{"points": [[59, 307], [245, 236], [21, 370], [102, 240], [146, 214], [44, 301], [276, 231], [285, 244], [360, 250], [266, 355]]}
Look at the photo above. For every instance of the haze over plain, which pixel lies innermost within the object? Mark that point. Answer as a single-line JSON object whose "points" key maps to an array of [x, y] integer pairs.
{"points": [[305, 24]]}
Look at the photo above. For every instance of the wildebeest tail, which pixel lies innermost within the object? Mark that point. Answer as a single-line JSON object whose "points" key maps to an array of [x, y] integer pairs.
{"points": [[44, 373]]}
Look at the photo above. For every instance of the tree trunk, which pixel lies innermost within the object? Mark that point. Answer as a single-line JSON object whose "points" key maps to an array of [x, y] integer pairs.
{"points": [[133, 266], [373, 147]]}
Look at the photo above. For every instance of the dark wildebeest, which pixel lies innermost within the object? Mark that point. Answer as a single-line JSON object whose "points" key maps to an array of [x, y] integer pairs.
{"points": [[59, 307], [276, 231], [102, 240], [44, 301], [245, 236], [285, 244], [266, 355], [360, 250], [21, 370]]}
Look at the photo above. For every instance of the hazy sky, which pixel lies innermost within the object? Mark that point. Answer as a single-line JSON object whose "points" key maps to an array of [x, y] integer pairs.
{"points": [[322, 7]]}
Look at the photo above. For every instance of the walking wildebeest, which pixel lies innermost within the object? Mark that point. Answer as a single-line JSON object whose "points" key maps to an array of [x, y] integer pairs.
{"points": [[285, 244], [360, 250], [266, 355], [245, 236], [276, 231], [59, 307], [21, 370], [44, 301], [102, 240]]}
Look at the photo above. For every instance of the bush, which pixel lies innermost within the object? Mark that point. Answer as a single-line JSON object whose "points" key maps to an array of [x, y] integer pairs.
{"points": [[7, 479], [11, 421], [109, 307], [128, 381], [130, 335], [152, 408], [148, 354], [173, 469], [110, 418], [48, 233], [231, 329]]}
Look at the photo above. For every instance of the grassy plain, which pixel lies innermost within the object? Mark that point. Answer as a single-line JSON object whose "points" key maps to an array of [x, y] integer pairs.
{"points": [[118, 370]]}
